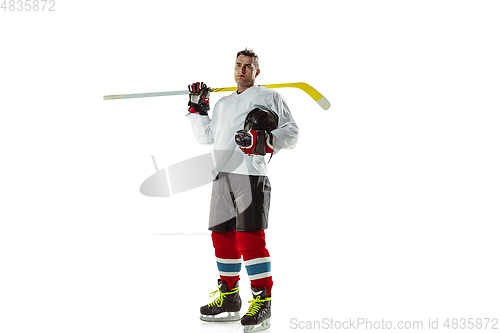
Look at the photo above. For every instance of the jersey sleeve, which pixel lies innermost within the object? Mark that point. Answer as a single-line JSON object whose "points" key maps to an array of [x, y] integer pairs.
{"points": [[286, 135], [203, 127]]}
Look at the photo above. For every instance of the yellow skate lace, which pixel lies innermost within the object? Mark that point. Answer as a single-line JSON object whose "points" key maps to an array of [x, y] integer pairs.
{"points": [[219, 300], [256, 305]]}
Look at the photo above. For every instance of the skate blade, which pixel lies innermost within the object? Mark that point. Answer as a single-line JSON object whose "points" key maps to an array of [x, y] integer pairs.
{"points": [[226, 316], [256, 328]]}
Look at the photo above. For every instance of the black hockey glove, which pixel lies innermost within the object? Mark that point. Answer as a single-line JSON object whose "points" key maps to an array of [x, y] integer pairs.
{"points": [[199, 97], [254, 142]]}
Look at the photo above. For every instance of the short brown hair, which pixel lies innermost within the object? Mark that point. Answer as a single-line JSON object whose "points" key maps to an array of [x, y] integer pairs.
{"points": [[250, 53]]}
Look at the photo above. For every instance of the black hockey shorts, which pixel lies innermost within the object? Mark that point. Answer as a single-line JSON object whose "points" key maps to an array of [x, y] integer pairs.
{"points": [[239, 202]]}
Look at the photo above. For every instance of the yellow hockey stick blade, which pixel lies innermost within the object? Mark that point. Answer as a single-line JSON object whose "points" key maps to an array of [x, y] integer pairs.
{"points": [[320, 99]]}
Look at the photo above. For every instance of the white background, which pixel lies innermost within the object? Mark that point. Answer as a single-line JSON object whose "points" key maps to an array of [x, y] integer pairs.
{"points": [[387, 209]]}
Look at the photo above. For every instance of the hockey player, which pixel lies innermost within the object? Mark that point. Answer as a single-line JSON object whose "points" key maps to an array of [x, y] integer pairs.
{"points": [[245, 126]]}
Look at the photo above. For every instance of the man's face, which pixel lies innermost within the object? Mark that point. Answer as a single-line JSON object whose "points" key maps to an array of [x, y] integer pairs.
{"points": [[244, 71]]}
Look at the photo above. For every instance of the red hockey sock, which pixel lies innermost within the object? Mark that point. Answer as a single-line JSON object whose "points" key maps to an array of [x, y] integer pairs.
{"points": [[252, 246], [228, 257]]}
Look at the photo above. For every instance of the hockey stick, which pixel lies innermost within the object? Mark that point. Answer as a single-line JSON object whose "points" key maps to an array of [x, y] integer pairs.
{"points": [[320, 99]]}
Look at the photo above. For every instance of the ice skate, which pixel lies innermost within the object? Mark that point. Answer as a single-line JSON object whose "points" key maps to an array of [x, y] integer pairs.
{"points": [[258, 315], [225, 307]]}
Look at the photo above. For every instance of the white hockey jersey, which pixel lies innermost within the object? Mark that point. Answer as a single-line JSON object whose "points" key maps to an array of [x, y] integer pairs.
{"points": [[229, 116]]}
